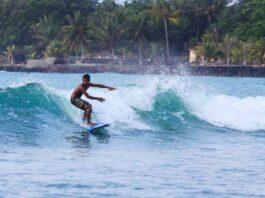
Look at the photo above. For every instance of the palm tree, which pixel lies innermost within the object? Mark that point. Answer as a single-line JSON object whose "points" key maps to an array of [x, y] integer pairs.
{"points": [[108, 6], [227, 45], [11, 52], [246, 48], [202, 13], [259, 49], [209, 9], [164, 11], [212, 36], [241, 52], [29, 51], [76, 33], [156, 50], [109, 29], [45, 30], [207, 51], [54, 49], [136, 28], [209, 47]]}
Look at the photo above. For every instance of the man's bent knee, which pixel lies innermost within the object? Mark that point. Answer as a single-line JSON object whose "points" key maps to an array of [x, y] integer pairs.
{"points": [[88, 108]]}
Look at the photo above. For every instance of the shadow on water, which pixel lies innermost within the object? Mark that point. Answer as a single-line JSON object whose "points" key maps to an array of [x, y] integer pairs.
{"points": [[79, 140], [101, 135], [83, 139]]}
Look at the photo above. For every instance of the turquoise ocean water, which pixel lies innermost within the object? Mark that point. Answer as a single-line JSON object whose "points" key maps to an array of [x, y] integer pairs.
{"points": [[170, 136]]}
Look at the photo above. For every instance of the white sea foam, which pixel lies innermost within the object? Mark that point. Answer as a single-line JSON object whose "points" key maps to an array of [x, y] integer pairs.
{"points": [[245, 114], [120, 106]]}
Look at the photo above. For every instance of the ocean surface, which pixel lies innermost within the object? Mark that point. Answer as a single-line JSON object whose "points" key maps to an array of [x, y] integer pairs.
{"points": [[170, 136]]}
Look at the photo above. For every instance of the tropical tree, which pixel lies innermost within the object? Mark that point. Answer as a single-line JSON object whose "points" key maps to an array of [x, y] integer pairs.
{"points": [[30, 52], [259, 49], [163, 10], [155, 48], [240, 53], [55, 49], [11, 53], [95, 25], [227, 45], [209, 10], [76, 33], [136, 28], [45, 30], [18, 16], [107, 6], [209, 48], [207, 51], [246, 49], [251, 22], [200, 14], [212, 36], [108, 29]]}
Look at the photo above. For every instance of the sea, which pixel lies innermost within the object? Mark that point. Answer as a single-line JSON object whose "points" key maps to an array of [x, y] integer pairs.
{"points": [[170, 136]]}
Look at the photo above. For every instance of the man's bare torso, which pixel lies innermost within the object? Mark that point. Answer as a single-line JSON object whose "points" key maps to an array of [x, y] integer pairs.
{"points": [[78, 92]]}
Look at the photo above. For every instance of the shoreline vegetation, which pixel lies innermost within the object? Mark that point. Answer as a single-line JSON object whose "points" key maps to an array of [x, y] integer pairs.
{"points": [[202, 37]]}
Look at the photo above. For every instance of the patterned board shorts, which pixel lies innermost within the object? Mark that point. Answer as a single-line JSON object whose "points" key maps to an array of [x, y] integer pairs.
{"points": [[79, 103]]}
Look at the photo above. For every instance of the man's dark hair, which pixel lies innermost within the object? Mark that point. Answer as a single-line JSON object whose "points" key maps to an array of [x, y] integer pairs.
{"points": [[86, 76]]}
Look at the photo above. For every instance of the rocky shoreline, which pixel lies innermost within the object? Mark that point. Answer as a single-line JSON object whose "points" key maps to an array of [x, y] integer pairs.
{"points": [[229, 71]]}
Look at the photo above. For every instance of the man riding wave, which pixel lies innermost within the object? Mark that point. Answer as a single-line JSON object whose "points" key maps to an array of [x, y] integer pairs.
{"points": [[82, 90]]}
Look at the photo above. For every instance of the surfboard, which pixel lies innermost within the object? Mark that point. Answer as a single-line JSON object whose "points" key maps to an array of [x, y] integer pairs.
{"points": [[97, 126]]}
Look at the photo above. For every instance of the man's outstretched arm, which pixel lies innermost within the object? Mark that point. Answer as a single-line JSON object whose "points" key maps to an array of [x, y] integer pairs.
{"points": [[92, 97], [102, 86]]}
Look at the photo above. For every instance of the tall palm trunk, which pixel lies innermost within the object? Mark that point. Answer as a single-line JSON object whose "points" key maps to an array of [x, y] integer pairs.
{"points": [[209, 20], [245, 51], [197, 34], [140, 53], [112, 52], [82, 49], [244, 60], [167, 44], [11, 59], [124, 53], [76, 52], [228, 57]]}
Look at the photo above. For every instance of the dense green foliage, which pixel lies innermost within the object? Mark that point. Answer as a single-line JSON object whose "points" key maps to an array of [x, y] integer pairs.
{"points": [[137, 28]]}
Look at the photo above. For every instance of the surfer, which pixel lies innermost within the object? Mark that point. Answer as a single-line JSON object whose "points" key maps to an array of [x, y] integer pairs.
{"points": [[82, 90]]}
